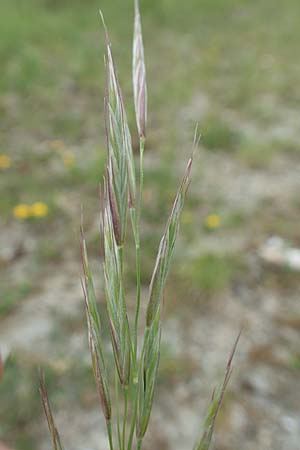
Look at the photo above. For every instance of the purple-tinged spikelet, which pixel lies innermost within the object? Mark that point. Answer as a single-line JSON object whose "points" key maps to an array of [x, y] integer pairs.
{"points": [[139, 74]]}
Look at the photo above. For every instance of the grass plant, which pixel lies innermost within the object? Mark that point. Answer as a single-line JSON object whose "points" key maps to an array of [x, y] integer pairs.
{"points": [[127, 401]]}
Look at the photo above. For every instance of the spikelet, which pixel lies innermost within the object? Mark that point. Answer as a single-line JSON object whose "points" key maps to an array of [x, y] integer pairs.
{"points": [[148, 374], [139, 74], [94, 333], [120, 155], [215, 405], [98, 365], [166, 247], [116, 307], [56, 442], [152, 338]]}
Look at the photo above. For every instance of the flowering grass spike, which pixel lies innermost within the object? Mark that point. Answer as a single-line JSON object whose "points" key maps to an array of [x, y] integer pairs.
{"points": [[126, 383]]}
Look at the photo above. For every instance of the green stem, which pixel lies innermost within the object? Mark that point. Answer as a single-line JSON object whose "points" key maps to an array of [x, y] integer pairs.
{"points": [[120, 250], [137, 248], [117, 408], [125, 396], [138, 295], [109, 433], [136, 381], [126, 329], [136, 220], [139, 444], [134, 415]]}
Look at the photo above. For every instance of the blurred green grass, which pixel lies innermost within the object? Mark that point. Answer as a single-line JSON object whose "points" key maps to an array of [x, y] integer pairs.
{"points": [[52, 75], [52, 71]]}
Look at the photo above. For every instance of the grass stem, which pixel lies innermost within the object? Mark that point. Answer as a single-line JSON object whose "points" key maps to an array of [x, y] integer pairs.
{"points": [[139, 444], [117, 408], [138, 248], [109, 433], [135, 406]]}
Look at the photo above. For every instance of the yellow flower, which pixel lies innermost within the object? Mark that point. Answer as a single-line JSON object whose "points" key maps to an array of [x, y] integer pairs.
{"points": [[68, 159], [21, 211], [213, 221], [39, 209], [5, 161]]}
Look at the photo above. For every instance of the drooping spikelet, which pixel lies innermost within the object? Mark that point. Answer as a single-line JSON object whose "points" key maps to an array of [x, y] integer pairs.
{"points": [[95, 334], [56, 442], [98, 363]]}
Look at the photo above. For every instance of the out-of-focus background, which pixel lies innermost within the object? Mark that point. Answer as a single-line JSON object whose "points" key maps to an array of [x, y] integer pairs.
{"points": [[234, 67]]}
